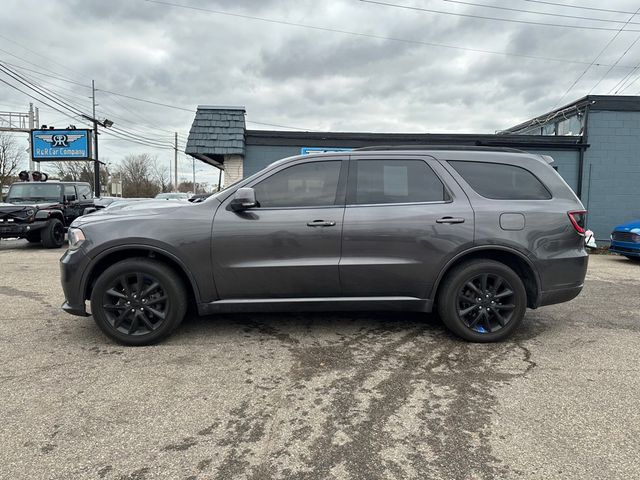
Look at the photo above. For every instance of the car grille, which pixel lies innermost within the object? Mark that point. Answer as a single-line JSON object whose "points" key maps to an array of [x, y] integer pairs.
{"points": [[625, 237]]}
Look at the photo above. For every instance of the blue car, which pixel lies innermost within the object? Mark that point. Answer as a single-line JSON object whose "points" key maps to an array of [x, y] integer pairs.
{"points": [[625, 240]]}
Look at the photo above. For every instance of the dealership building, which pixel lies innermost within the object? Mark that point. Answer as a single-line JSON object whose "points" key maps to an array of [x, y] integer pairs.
{"points": [[595, 142]]}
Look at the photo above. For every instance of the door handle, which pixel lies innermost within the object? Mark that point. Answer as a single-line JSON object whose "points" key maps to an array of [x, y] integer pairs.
{"points": [[450, 220], [321, 223]]}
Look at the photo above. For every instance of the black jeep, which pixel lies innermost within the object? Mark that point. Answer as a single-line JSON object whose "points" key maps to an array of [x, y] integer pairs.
{"points": [[42, 211]]}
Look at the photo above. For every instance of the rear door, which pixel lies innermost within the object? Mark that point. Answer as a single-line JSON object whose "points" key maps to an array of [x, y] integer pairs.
{"points": [[405, 217]]}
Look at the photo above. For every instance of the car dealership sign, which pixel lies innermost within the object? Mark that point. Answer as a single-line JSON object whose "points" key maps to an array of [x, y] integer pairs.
{"points": [[71, 144]]}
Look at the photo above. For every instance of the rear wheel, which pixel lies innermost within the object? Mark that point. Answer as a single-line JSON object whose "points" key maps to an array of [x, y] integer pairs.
{"points": [[634, 259], [482, 301], [53, 234], [138, 301]]}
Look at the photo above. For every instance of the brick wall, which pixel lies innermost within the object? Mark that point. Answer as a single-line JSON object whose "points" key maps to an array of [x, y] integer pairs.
{"points": [[611, 179]]}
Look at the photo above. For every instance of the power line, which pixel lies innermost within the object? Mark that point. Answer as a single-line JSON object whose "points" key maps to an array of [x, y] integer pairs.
{"points": [[119, 133], [368, 35], [537, 12], [153, 102], [628, 85], [616, 62], [575, 82], [556, 4], [498, 19], [47, 58], [618, 87]]}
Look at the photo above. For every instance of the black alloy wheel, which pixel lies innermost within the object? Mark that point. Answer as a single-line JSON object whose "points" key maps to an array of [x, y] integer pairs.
{"points": [[53, 234], [485, 303], [482, 300], [138, 301], [135, 304]]}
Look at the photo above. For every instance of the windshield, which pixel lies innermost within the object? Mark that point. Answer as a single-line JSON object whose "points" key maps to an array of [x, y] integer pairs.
{"points": [[34, 192]]}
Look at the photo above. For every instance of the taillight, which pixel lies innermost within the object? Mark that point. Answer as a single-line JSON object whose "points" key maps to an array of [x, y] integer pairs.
{"points": [[578, 218]]}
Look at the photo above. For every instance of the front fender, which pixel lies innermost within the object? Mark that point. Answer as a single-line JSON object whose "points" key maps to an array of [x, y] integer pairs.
{"points": [[142, 248], [47, 214]]}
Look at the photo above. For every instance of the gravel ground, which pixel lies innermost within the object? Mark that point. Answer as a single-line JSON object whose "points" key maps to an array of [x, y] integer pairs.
{"points": [[318, 396]]}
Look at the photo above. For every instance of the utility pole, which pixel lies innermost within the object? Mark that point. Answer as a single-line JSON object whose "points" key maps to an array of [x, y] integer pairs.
{"points": [[175, 163], [31, 127], [96, 161]]}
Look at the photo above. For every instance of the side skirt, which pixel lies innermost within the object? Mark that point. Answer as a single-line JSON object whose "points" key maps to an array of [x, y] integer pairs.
{"points": [[324, 304]]}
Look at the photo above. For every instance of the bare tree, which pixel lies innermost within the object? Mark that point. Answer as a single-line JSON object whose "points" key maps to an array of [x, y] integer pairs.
{"points": [[11, 157], [79, 171], [137, 176], [161, 175]]}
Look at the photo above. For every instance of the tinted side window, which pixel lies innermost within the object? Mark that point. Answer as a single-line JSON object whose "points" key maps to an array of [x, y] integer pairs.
{"points": [[69, 190], [84, 192], [305, 185], [501, 182], [396, 181]]}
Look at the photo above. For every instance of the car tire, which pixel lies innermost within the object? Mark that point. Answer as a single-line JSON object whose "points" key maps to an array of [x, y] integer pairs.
{"points": [[33, 237], [482, 301], [53, 234], [147, 318], [634, 259]]}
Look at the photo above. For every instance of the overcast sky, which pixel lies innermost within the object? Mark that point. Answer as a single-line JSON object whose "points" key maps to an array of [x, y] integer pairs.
{"points": [[312, 78]]}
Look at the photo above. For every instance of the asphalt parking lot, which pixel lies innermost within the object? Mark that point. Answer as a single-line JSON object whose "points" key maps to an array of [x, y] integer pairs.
{"points": [[317, 396]]}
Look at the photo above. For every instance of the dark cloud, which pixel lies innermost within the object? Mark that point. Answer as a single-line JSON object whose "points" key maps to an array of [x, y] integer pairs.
{"points": [[296, 76]]}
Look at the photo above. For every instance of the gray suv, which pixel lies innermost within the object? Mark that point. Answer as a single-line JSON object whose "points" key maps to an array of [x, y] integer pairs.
{"points": [[478, 234]]}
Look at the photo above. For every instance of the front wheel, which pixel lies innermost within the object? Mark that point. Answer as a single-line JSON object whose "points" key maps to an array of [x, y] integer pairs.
{"points": [[482, 301], [53, 234], [634, 259], [138, 301]]}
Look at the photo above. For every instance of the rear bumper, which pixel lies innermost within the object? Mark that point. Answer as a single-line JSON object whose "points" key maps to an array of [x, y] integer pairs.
{"points": [[551, 297], [562, 279]]}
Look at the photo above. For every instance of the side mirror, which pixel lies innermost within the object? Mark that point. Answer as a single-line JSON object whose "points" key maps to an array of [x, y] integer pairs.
{"points": [[243, 199], [69, 198]]}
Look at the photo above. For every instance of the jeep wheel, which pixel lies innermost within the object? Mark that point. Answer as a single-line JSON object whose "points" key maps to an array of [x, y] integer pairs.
{"points": [[138, 301], [33, 237], [53, 234], [482, 301]]}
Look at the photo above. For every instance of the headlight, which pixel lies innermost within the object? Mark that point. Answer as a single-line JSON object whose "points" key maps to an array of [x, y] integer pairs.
{"points": [[76, 237]]}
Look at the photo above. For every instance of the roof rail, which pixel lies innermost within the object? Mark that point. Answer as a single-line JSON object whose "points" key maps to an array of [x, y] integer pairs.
{"points": [[476, 148]]}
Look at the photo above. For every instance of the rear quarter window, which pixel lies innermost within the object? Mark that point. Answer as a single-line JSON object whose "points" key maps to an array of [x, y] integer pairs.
{"points": [[501, 182]]}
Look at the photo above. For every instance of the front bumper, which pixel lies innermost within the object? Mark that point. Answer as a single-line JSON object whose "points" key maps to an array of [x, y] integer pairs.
{"points": [[73, 264], [13, 230], [628, 249]]}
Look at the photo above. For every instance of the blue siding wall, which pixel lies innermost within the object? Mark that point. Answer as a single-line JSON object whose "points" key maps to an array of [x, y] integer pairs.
{"points": [[259, 156], [567, 162], [611, 180]]}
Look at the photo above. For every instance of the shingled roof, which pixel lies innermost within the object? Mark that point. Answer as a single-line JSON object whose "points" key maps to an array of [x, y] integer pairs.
{"points": [[216, 131]]}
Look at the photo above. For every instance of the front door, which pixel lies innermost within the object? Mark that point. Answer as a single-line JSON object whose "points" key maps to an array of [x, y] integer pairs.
{"points": [[72, 205], [405, 218], [288, 246]]}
